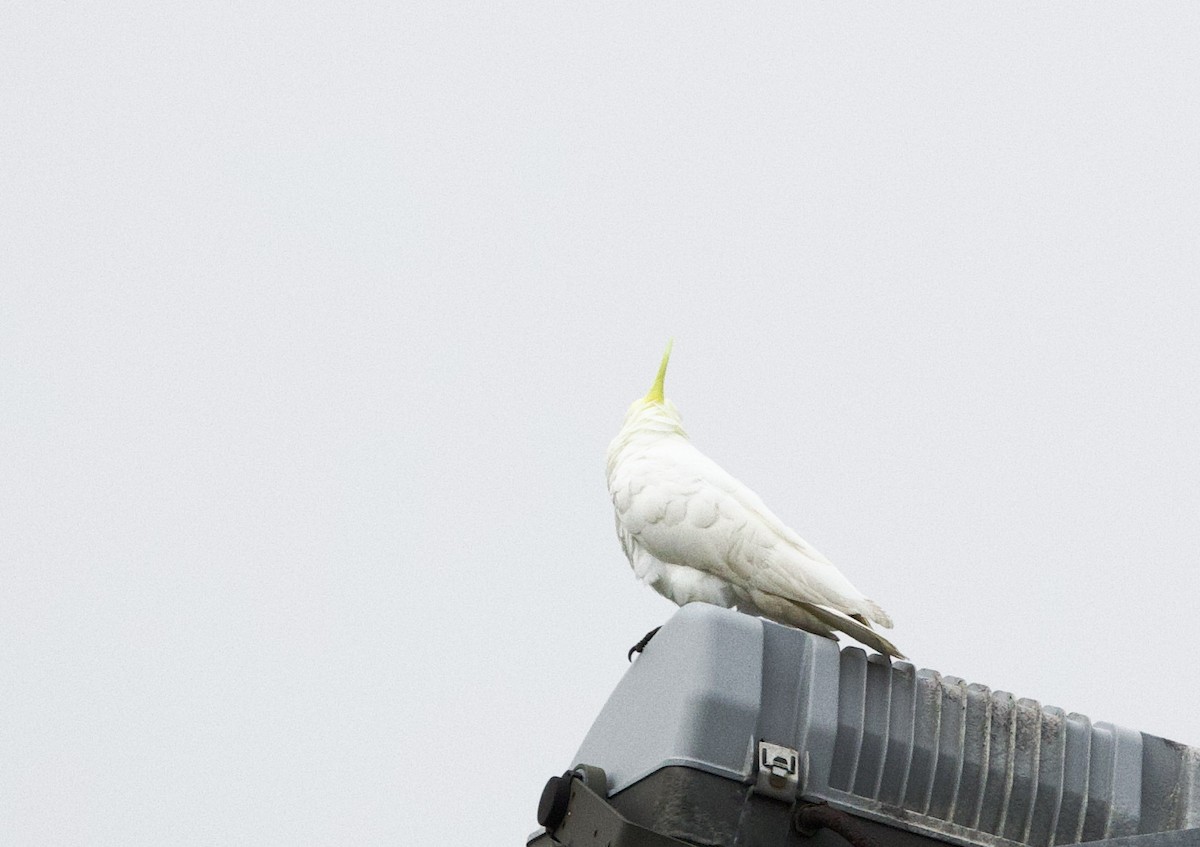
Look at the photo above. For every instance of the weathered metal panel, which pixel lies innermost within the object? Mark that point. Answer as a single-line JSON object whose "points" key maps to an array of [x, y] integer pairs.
{"points": [[923, 752]]}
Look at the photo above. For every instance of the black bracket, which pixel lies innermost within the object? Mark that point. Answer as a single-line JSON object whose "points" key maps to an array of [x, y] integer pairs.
{"points": [[575, 813]]}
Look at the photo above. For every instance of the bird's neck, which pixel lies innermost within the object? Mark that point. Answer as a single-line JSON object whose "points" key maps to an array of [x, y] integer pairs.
{"points": [[653, 418], [644, 426]]}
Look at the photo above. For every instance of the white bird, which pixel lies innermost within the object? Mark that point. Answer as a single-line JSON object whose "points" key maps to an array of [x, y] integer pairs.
{"points": [[694, 533]]}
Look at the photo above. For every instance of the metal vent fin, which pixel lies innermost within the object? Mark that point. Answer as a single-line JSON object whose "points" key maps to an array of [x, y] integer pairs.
{"points": [[982, 759]]}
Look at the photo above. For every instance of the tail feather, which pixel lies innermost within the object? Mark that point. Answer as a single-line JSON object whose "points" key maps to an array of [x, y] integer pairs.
{"points": [[877, 615], [860, 631]]}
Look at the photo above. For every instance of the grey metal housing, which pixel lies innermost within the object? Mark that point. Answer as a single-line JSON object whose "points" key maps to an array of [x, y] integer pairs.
{"points": [[909, 748]]}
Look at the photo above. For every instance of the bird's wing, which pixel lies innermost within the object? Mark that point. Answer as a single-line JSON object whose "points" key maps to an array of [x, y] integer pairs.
{"points": [[685, 509]]}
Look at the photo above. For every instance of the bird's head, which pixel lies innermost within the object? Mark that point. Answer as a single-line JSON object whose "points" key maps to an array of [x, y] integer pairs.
{"points": [[655, 411]]}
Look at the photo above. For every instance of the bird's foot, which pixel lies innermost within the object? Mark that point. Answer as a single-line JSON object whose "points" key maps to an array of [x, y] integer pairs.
{"points": [[641, 645]]}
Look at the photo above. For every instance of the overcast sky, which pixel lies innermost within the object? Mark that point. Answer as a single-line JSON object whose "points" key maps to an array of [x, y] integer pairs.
{"points": [[316, 321]]}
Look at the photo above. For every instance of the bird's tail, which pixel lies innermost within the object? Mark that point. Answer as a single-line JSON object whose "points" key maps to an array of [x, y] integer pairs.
{"points": [[877, 615], [856, 630]]}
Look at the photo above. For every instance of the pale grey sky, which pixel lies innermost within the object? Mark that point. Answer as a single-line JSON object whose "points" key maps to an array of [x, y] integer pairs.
{"points": [[316, 320]]}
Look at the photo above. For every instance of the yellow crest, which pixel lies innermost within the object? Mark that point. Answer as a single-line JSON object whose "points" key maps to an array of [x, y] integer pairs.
{"points": [[655, 394]]}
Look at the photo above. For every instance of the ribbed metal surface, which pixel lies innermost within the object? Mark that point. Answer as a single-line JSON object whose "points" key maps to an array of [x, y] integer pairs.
{"points": [[981, 759], [913, 750]]}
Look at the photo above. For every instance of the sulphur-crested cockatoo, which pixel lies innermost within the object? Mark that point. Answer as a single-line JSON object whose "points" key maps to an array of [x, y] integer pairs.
{"points": [[694, 533]]}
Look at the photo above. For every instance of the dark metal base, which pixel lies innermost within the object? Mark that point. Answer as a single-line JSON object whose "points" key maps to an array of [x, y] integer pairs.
{"points": [[685, 807]]}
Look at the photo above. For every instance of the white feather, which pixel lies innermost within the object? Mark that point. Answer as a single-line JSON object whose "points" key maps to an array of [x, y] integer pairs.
{"points": [[694, 533]]}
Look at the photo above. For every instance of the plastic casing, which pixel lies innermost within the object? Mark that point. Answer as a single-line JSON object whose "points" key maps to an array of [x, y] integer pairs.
{"points": [[908, 747]]}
